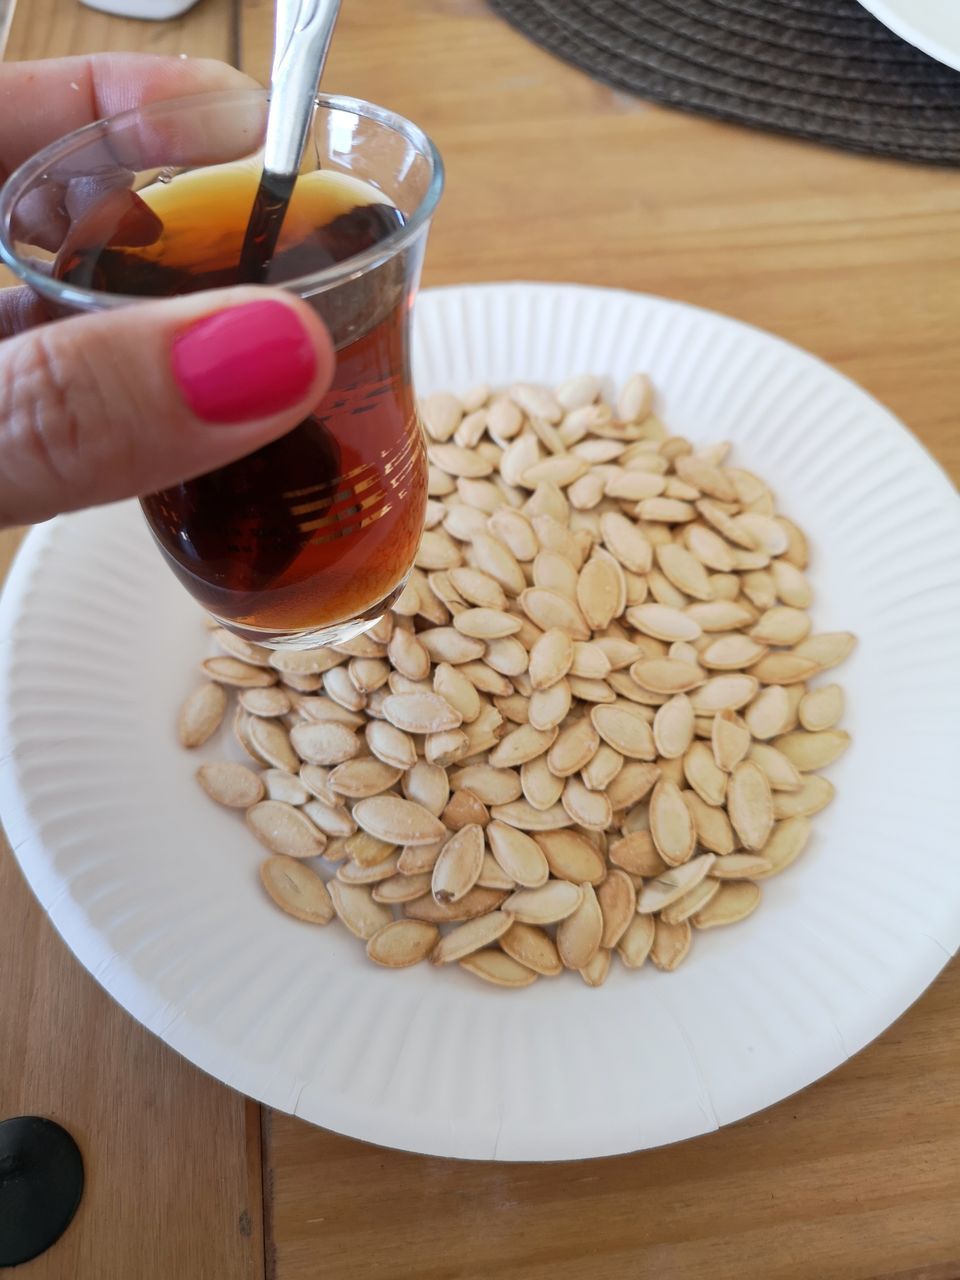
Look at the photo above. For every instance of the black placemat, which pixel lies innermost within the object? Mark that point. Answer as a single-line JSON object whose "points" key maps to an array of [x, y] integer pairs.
{"points": [[822, 69]]}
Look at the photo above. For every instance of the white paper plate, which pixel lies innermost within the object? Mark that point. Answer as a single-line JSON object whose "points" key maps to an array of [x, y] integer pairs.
{"points": [[930, 25], [156, 890]]}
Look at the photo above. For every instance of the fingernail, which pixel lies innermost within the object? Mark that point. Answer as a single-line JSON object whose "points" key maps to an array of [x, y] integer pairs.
{"points": [[247, 362]]}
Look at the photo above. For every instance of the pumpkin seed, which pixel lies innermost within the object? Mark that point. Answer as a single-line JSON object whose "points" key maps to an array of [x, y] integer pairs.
{"points": [[366, 850], [719, 615], [671, 942], [238, 674], [821, 708], [441, 414], [782, 774], [271, 741], [574, 747], [579, 934], [541, 788], [427, 785], [297, 889], [233, 785], [551, 903], [791, 584], [768, 715], [671, 825], [494, 966], [781, 625], [827, 649], [631, 784], [486, 624], [283, 829], [704, 775], [601, 768], [397, 821], [464, 809], [551, 611], [591, 809], [712, 825], [787, 841], [663, 623], [809, 751], [635, 486], [522, 815], [533, 948], [389, 744], [489, 785], [724, 693], [624, 729], [280, 785], [730, 740], [478, 902], [732, 902], [691, 902], [732, 653], [636, 398], [673, 884], [353, 873], [750, 804], [684, 571], [325, 742], [784, 668], [626, 543], [673, 727], [618, 903], [272, 701], [521, 744], [536, 401], [741, 866], [726, 525], [458, 867], [401, 888], [667, 675], [402, 943], [595, 973], [635, 944], [356, 908], [571, 856], [421, 713]]}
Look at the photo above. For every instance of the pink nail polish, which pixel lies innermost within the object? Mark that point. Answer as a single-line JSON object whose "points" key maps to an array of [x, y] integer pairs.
{"points": [[247, 362]]}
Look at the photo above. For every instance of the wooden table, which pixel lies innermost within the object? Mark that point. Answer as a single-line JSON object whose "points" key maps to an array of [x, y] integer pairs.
{"points": [[550, 176]]}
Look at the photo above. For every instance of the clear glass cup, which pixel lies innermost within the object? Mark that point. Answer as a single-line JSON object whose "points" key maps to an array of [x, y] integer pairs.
{"points": [[310, 539]]}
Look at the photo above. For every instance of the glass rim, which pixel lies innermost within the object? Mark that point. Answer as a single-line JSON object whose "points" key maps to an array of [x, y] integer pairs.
{"points": [[304, 285]]}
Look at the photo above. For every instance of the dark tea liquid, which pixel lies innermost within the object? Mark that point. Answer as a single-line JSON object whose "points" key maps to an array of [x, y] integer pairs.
{"points": [[323, 524]]}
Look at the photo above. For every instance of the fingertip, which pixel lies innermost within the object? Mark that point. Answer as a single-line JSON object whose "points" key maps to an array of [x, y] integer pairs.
{"points": [[213, 74], [262, 357]]}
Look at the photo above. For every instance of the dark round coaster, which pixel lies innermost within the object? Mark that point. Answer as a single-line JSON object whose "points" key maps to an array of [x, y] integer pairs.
{"points": [[41, 1181], [821, 69]]}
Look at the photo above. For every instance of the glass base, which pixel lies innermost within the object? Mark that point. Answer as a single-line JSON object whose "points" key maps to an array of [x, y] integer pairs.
{"points": [[318, 637]]}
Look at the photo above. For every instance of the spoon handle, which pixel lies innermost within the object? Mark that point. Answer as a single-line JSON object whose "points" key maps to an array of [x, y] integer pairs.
{"points": [[303, 33]]}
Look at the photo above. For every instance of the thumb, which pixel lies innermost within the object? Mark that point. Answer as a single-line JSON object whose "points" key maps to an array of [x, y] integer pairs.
{"points": [[125, 402]]}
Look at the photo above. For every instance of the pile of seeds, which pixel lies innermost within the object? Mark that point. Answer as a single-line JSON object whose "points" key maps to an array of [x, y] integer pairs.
{"points": [[584, 728]]}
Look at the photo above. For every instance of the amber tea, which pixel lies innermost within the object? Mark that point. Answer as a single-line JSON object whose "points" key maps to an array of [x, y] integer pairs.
{"points": [[321, 526]]}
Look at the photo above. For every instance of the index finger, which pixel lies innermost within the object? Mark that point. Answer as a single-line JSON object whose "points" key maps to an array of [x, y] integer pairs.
{"points": [[43, 101]]}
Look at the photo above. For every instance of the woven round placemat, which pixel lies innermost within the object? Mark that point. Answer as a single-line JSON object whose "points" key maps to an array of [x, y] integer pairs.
{"points": [[822, 69]]}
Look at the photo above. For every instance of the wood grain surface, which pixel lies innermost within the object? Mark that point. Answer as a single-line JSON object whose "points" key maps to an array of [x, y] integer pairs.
{"points": [[550, 176]]}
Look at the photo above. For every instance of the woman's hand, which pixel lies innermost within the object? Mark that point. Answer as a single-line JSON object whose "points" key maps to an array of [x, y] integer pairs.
{"points": [[123, 402]]}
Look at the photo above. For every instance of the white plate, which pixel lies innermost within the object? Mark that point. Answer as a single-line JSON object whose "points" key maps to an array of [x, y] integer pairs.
{"points": [[156, 891], [930, 25]]}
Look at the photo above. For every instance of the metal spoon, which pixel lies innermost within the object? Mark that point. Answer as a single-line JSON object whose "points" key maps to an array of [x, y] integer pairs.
{"points": [[304, 29]]}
